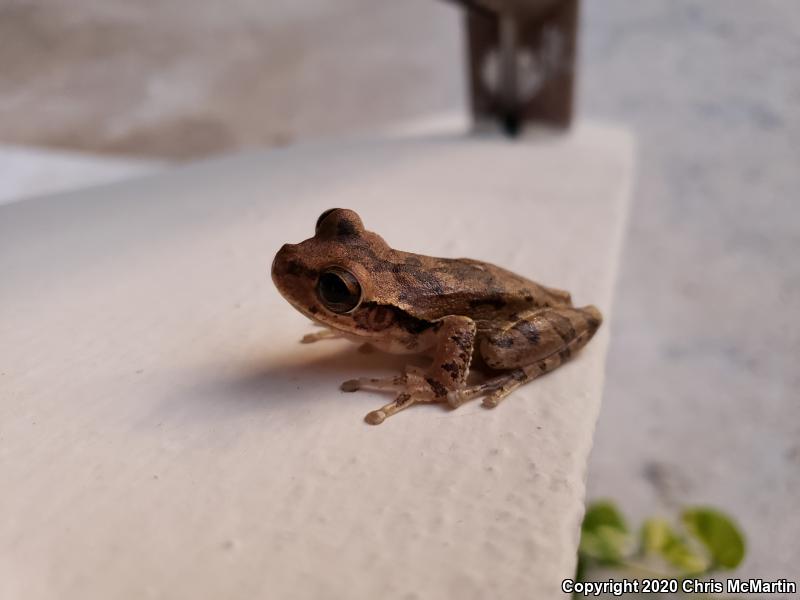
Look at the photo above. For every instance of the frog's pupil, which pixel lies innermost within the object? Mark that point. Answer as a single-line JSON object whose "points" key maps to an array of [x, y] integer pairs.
{"points": [[333, 288], [339, 290]]}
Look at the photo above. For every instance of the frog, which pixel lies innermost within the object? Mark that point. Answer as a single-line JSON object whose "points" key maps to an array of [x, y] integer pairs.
{"points": [[462, 314]]}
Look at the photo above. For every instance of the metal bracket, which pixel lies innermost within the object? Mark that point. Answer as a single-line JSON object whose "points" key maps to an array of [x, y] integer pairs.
{"points": [[522, 61]]}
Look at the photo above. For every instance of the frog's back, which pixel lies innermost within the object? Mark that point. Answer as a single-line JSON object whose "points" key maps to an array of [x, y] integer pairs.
{"points": [[431, 288]]}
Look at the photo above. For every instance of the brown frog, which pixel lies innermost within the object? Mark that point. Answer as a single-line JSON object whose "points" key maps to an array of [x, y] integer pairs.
{"points": [[460, 311]]}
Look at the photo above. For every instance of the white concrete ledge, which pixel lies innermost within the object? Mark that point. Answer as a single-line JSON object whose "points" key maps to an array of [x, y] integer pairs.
{"points": [[30, 171], [164, 435]]}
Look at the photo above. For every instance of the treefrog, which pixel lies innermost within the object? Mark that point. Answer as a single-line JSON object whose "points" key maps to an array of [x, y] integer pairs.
{"points": [[463, 313]]}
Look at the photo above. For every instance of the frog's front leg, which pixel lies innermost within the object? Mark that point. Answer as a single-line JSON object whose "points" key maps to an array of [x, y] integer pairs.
{"points": [[330, 334], [455, 339], [322, 334]]}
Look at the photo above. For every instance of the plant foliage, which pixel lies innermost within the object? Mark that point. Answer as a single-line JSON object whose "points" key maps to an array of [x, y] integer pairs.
{"points": [[703, 541]]}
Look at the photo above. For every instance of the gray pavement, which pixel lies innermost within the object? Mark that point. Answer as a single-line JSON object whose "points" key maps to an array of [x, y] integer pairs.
{"points": [[702, 402]]}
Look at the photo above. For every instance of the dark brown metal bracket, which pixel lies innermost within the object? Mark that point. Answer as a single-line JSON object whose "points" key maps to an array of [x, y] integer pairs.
{"points": [[522, 57]]}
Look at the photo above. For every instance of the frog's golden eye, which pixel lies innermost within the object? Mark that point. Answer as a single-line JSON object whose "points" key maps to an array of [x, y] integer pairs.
{"points": [[338, 290]]}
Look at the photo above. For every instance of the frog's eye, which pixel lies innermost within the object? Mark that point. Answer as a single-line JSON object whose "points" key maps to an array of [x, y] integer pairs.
{"points": [[338, 222], [322, 218], [339, 290]]}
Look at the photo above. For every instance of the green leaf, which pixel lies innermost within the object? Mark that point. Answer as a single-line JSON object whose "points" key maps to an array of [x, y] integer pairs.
{"points": [[603, 513], [677, 552], [606, 545], [655, 534], [718, 533], [658, 537], [604, 534]]}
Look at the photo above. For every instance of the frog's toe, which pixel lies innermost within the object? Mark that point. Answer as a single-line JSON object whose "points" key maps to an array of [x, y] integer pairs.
{"points": [[491, 401], [376, 417], [402, 401], [351, 385], [456, 398]]}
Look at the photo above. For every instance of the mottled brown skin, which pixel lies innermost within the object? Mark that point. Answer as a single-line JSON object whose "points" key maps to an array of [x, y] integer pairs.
{"points": [[456, 310]]}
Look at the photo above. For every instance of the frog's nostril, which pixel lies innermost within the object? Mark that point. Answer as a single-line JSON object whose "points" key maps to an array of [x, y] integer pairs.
{"points": [[283, 256], [278, 257], [285, 251]]}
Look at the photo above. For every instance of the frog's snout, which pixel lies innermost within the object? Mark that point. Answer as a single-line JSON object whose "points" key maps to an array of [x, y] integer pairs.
{"points": [[285, 250], [289, 266], [281, 260]]}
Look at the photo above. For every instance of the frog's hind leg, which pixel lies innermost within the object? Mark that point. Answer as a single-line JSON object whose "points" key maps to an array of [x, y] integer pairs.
{"points": [[517, 377], [494, 389], [537, 343], [538, 334]]}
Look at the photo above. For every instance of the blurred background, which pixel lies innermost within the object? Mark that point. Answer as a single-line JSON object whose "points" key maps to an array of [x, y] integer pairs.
{"points": [[702, 404]]}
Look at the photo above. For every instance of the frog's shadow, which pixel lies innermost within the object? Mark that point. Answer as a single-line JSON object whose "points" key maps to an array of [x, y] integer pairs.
{"points": [[296, 378], [299, 371]]}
